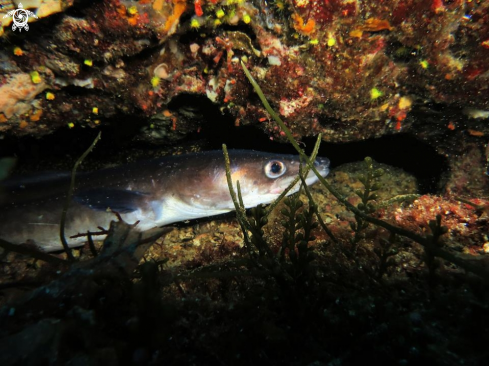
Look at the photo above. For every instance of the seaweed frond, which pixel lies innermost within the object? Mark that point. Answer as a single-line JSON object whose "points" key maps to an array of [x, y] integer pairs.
{"points": [[371, 184], [385, 250], [437, 230], [298, 225]]}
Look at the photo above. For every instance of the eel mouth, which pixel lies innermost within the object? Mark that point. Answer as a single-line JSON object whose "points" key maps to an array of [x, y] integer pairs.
{"points": [[323, 163]]}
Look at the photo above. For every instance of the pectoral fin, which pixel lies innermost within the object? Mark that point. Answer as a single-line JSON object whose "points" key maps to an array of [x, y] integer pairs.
{"points": [[118, 200]]}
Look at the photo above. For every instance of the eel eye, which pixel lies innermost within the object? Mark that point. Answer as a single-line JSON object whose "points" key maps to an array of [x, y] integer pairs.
{"points": [[274, 169]]}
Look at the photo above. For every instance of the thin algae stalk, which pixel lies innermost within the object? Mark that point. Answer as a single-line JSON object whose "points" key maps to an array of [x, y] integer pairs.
{"points": [[68, 199]]}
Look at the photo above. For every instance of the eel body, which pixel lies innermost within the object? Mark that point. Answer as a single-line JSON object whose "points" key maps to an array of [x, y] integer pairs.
{"points": [[155, 193]]}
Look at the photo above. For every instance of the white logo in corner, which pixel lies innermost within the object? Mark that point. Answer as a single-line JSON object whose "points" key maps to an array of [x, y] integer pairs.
{"points": [[20, 17]]}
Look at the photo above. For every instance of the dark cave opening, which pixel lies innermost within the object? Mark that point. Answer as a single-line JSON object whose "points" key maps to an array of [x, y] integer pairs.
{"points": [[402, 151]]}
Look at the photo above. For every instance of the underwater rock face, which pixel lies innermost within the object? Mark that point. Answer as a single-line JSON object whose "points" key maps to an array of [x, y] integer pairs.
{"points": [[350, 70]]}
